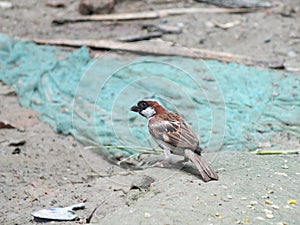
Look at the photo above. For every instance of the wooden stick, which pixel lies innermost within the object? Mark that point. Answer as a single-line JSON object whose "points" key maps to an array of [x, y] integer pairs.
{"points": [[150, 14], [163, 49]]}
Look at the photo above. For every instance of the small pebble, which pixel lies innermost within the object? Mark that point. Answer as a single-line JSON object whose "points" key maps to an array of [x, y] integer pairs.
{"points": [[252, 203], [267, 40], [247, 220], [142, 183], [202, 40], [267, 202], [218, 215], [281, 174], [163, 20], [271, 192], [284, 166], [222, 169], [275, 206], [180, 24], [202, 202], [147, 215], [267, 211], [269, 216], [5, 5], [260, 218], [291, 54], [209, 24], [264, 144]]}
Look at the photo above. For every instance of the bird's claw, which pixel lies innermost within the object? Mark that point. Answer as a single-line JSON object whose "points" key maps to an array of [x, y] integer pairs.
{"points": [[181, 162], [158, 164], [161, 164]]}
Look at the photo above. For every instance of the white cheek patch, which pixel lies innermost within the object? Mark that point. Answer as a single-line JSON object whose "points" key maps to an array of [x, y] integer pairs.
{"points": [[148, 112]]}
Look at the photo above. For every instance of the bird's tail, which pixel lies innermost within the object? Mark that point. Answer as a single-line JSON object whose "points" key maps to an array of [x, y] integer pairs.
{"points": [[204, 168]]}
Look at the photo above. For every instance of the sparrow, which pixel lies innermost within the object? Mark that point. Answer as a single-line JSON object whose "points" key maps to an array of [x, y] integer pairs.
{"points": [[174, 136]]}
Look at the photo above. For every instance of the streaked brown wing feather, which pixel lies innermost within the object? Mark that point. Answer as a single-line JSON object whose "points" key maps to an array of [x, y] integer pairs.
{"points": [[174, 131]]}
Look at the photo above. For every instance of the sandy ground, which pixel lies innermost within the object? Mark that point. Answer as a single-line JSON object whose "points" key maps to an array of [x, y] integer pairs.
{"points": [[53, 170]]}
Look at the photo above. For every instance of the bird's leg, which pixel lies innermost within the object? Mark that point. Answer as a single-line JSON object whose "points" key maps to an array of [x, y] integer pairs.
{"points": [[164, 162], [180, 162]]}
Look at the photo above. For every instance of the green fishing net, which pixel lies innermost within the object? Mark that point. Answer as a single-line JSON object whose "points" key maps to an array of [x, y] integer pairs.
{"points": [[232, 107]]}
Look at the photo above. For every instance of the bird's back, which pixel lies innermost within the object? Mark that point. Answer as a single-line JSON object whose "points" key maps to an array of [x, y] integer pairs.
{"points": [[173, 130]]}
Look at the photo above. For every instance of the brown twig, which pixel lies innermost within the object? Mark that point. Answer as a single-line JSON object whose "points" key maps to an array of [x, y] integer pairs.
{"points": [[149, 14], [141, 37], [89, 218], [275, 152], [163, 49], [121, 173]]}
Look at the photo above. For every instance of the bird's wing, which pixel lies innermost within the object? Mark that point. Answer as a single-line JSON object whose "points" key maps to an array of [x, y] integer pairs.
{"points": [[174, 131]]}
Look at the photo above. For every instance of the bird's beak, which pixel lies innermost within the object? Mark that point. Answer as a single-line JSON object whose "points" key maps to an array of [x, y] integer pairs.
{"points": [[134, 108]]}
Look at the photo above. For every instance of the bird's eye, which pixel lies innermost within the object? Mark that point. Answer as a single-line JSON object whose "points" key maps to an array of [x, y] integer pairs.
{"points": [[143, 104]]}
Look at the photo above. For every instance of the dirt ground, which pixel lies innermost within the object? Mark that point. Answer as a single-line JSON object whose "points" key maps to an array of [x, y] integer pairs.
{"points": [[42, 169]]}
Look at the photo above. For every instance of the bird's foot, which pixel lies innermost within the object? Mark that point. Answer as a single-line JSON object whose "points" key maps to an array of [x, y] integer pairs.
{"points": [[181, 162], [161, 164]]}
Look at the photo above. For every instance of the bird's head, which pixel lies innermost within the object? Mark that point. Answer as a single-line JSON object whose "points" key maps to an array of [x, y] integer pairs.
{"points": [[148, 108]]}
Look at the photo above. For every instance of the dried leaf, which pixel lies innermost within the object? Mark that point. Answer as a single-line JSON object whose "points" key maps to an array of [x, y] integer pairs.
{"points": [[6, 125], [292, 202]]}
